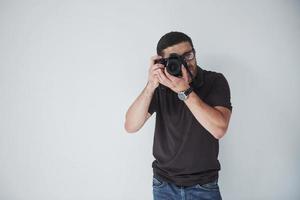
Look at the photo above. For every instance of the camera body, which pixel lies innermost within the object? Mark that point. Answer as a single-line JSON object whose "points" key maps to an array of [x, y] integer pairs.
{"points": [[173, 64]]}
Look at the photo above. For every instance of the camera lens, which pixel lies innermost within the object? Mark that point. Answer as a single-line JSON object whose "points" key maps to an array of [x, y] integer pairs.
{"points": [[174, 65]]}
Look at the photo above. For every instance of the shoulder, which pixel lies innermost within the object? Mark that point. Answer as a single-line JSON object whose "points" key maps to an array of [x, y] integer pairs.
{"points": [[213, 77]]}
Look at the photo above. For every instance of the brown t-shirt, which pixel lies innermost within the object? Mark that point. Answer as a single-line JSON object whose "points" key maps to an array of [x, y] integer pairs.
{"points": [[185, 152]]}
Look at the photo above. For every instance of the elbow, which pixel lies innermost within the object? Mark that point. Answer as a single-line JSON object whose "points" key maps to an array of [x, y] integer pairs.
{"points": [[128, 125], [220, 132], [129, 129]]}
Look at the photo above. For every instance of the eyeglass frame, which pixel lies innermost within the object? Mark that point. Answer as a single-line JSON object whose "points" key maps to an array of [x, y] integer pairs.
{"points": [[188, 52]]}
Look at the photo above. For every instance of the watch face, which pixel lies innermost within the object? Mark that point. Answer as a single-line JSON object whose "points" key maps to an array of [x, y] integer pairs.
{"points": [[181, 96]]}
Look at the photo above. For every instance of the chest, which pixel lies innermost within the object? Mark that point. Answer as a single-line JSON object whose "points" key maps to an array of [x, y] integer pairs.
{"points": [[174, 109]]}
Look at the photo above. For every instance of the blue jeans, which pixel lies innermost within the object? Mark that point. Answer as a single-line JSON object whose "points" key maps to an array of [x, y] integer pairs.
{"points": [[168, 191]]}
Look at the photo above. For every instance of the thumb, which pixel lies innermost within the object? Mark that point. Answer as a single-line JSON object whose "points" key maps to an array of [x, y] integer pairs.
{"points": [[184, 73]]}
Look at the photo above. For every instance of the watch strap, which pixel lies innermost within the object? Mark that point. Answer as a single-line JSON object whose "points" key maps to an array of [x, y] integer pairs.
{"points": [[188, 91]]}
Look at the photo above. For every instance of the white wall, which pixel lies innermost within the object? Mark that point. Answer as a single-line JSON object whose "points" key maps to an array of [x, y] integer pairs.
{"points": [[70, 69]]}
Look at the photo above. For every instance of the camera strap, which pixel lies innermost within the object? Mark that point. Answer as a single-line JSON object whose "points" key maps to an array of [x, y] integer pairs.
{"points": [[189, 71]]}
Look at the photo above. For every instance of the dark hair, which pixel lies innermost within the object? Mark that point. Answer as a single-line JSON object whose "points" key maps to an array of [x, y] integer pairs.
{"points": [[170, 39]]}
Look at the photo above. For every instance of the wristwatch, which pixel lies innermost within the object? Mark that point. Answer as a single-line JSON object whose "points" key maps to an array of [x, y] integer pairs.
{"points": [[183, 95]]}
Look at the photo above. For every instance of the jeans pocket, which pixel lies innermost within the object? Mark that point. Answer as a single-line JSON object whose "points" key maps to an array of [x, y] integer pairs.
{"points": [[157, 183], [212, 186]]}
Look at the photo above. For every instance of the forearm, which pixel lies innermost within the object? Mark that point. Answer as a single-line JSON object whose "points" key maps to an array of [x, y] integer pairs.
{"points": [[137, 112], [210, 118]]}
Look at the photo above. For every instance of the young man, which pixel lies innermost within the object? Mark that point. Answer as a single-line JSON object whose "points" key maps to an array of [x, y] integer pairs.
{"points": [[192, 113]]}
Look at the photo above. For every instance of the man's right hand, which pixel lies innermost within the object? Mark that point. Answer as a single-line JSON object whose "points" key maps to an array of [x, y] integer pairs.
{"points": [[153, 81]]}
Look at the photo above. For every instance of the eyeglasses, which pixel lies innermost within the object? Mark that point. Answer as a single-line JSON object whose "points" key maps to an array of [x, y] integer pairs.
{"points": [[188, 56]]}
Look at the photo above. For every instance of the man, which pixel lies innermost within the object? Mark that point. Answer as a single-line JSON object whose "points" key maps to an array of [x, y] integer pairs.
{"points": [[192, 113]]}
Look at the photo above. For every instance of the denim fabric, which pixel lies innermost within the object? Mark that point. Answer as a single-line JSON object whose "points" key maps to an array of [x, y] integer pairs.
{"points": [[167, 191]]}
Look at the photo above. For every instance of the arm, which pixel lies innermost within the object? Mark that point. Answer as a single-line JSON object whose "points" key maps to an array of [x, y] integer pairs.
{"points": [[213, 119], [137, 113]]}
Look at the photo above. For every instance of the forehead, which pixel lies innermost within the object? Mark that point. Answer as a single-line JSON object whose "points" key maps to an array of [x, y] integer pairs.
{"points": [[179, 48]]}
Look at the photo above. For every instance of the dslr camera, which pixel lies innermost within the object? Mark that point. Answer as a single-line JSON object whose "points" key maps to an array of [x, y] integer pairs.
{"points": [[173, 64]]}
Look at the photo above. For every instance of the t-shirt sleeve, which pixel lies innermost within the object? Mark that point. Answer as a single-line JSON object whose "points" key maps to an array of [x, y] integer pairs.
{"points": [[219, 95], [153, 104]]}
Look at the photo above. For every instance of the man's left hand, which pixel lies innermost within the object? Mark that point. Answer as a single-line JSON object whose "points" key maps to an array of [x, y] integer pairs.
{"points": [[176, 84]]}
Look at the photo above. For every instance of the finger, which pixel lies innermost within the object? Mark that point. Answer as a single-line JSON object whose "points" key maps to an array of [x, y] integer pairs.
{"points": [[161, 81], [164, 78], [153, 58], [160, 77], [157, 66], [155, 76], [184, 73], [169, 75], [155, 73]]}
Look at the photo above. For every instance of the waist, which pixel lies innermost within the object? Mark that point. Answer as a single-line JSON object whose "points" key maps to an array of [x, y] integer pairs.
{"points": [[186, 179]]}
